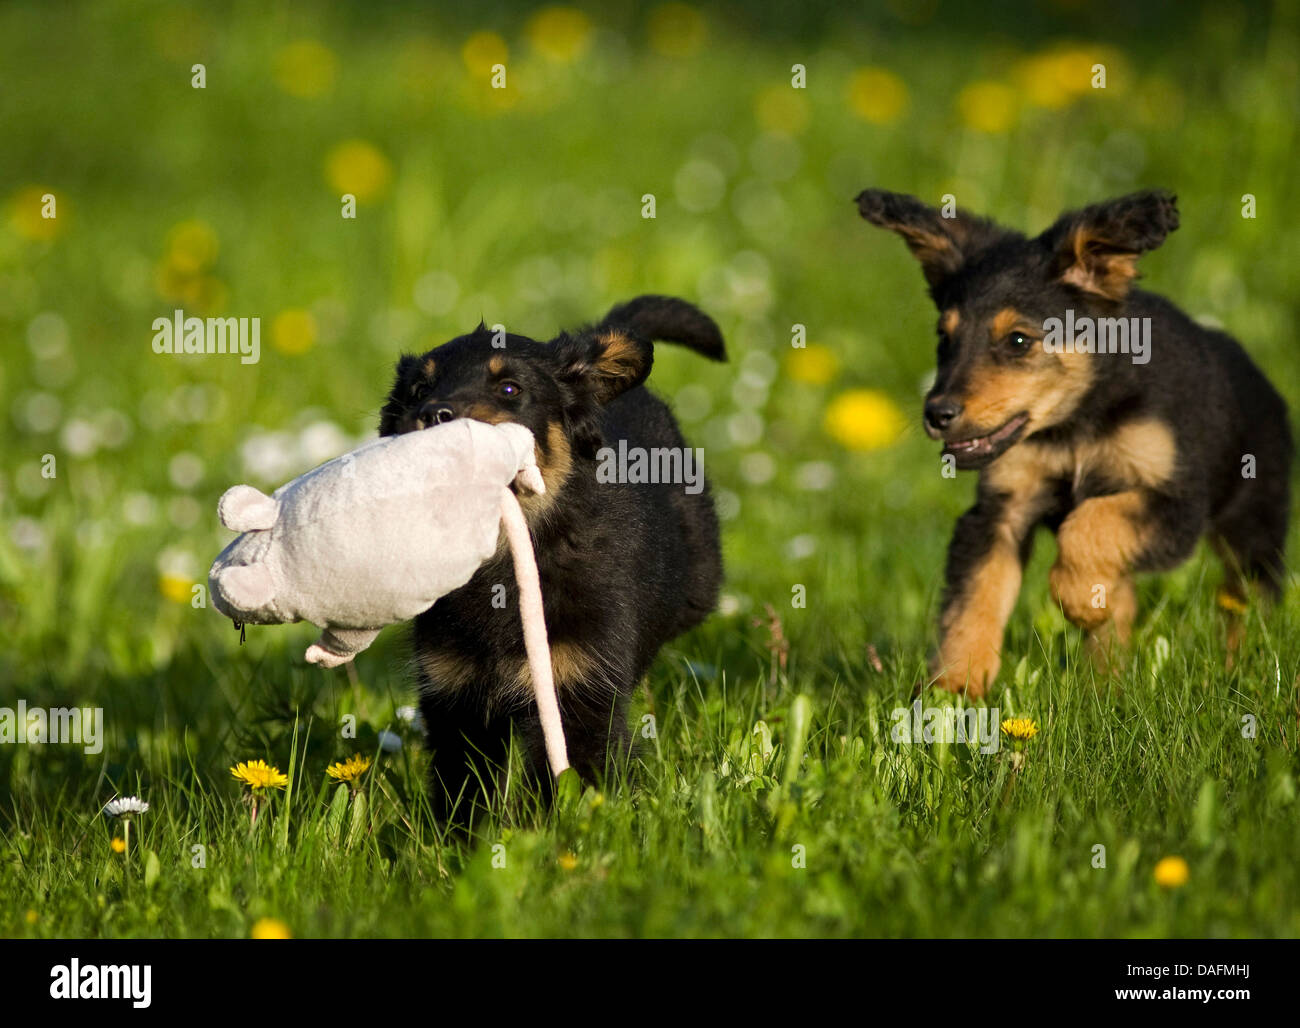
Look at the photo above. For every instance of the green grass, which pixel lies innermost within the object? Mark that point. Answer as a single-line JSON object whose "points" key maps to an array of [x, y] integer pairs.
{"points": [[534, 213]]}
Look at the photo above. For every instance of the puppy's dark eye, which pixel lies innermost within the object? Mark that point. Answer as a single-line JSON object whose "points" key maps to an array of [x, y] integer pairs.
{"points": [[509, 389], [1019, 342]]}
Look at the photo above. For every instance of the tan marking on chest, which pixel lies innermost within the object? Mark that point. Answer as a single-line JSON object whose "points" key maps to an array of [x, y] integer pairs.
{"points": [[1025, 474], [1139, 453]]}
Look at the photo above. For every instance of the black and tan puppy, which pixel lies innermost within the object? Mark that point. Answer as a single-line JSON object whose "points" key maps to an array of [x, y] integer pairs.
{"points": [[625, 565], [1099, 410]]}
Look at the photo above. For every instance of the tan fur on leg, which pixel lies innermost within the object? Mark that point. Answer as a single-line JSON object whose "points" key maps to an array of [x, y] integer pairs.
{"points": [[970, 653], [1090, 580]]}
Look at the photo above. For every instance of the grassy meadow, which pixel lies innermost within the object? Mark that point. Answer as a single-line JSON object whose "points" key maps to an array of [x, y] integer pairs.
{"points": [[770, 798]]}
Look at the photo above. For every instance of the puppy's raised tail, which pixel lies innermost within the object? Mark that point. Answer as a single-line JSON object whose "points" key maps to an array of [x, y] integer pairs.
{"points": [[670, 320]]}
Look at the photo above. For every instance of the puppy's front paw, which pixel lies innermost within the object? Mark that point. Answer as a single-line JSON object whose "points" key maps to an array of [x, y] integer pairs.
{"points": [[970, 670]]}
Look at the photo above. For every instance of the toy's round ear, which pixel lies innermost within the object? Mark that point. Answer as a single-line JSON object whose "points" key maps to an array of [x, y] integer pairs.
{"points": [[245, 509], [244, 587]]}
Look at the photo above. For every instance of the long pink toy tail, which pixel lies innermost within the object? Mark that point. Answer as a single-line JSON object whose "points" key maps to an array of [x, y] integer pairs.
{"points": [[539, 650]]}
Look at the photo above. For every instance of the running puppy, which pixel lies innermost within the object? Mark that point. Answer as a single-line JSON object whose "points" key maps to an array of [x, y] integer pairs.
{"points": [[1099, 410], [625, 567]]}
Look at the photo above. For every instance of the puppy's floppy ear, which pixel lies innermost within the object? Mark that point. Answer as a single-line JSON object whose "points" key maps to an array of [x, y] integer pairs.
{"points": [[942, 245], [603, 362], [1096, 249]]}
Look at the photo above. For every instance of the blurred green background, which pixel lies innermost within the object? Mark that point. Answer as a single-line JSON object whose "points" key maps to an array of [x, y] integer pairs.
{"points": [[523, 206]]}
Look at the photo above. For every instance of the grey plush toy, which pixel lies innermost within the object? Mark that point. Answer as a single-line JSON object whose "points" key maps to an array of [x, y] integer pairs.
{"points": [[376, 536]]}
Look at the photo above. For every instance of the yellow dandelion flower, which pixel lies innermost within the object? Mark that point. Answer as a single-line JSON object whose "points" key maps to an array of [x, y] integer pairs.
{"points": [[293, 332], [359, 168], [1021, 729], [192, 247], [677, 30], [37, 213], [567, 861], [1072, 69], [270, 928], [176, 588], [1040, 84], [31, 917], [118, 845], [560, 34], [198, 294], [258, 774], [781, 110], [1171, 873], [1230, 601], [481, 51], [864, 419], [1055, 79], [349, 770], [813, 364], [305, 68], [877, 95], [987, 107]]}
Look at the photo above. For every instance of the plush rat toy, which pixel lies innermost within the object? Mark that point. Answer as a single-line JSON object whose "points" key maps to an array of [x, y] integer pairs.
{"points": [[377, 535]]}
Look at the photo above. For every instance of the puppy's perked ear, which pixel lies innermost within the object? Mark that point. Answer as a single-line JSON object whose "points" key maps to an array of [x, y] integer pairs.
{"points": [[603, 363], [1097, 249], [942, 245]]}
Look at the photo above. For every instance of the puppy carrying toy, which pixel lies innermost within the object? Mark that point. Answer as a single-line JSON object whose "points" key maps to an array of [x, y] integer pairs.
{"points": [[324, 547], [629, 562]]}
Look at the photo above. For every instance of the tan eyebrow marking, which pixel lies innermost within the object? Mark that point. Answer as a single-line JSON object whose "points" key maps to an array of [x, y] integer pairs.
{"points": [[1005, 320], [496, 365], [950, 320], [429, 367]]}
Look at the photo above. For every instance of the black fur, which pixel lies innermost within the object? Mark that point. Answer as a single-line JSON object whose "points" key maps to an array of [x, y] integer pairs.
{"points": [[624, 567]]}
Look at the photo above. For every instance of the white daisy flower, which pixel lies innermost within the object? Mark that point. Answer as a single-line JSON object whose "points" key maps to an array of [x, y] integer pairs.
{"points": [[411, 716], [125, 806]]}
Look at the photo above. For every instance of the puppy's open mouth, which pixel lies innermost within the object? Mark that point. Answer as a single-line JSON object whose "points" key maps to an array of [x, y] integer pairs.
{"points": [[973, 453]]}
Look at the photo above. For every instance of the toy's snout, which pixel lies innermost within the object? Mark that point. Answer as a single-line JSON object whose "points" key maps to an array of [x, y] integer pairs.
{"points": [[530, 477], [244, 587]]}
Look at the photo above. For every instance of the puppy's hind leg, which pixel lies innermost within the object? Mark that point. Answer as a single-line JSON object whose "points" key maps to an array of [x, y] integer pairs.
{"points": [[1250, 542]]}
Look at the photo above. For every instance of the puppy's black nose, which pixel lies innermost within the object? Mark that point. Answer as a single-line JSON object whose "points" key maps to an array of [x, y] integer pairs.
{"points": [[940, 412], [435, 414]]}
